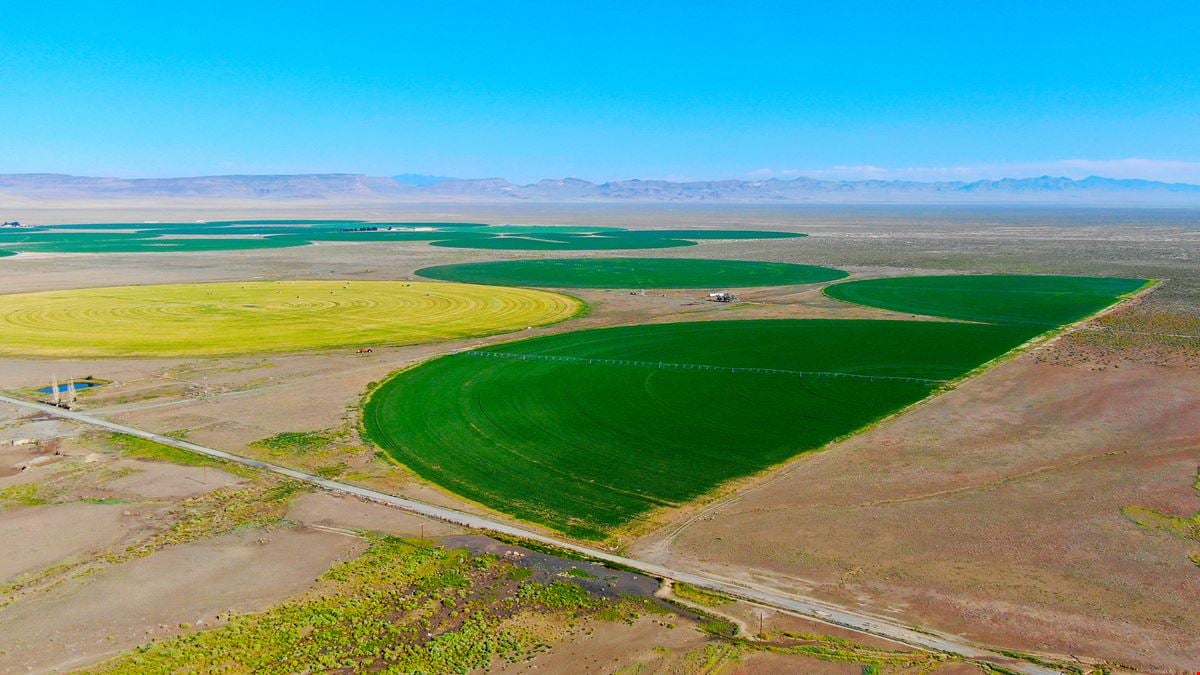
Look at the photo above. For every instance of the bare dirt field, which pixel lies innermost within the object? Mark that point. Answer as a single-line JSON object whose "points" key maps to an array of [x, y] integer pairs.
{"points": [[106, 552], [47, 536], [172, 590], [996, 511]]}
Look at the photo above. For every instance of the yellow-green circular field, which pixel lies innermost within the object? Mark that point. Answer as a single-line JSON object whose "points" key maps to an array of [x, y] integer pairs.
{"points": [[244, 317]]}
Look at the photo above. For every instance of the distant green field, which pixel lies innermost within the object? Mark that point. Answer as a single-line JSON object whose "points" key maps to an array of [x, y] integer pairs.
{"points": [[228, 235], [574, 238], [85, 227], [33, 237], [419, 235], [227, 230], [87, 244], [544, 229], [88, 240], [1043, 301], [632, 273], [587, 431], [253, 226], [712, 234], [563, 242]]}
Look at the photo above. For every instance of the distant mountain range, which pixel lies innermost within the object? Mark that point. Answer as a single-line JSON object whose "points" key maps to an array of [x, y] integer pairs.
{"points": [[420, 188]]}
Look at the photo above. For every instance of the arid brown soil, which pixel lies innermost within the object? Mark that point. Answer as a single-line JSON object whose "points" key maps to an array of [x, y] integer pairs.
{"points": [[608, 647], [72, 592], [1140, 335], [174, 590], [994, 512], [45, 536]]}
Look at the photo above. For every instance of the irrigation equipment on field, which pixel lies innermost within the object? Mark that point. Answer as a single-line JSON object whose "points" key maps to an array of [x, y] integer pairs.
{"points": [[60, 397], [699, 366]]}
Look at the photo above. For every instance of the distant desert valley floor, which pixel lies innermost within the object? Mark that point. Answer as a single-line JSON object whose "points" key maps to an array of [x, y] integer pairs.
{"points": [[1012, 467]]}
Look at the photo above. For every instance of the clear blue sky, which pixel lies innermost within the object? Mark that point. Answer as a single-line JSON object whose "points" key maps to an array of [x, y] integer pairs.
{"points": [[602, 91]]}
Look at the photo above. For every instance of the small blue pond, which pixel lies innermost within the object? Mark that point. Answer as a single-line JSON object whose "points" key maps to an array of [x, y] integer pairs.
{"points": [[62, 388]]}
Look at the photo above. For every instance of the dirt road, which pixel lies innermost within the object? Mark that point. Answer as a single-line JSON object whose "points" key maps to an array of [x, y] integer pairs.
{"points": [[808, 607]]}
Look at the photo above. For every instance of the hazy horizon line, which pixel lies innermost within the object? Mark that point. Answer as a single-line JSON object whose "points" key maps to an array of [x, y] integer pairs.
{"points": [[1075, 170]]}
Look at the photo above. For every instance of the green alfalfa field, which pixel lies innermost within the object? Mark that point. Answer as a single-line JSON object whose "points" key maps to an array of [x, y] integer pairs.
{"points": [[632, 273], [588, 432], [1037, 301]]}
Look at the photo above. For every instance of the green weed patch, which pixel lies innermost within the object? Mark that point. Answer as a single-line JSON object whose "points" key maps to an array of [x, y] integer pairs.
{"points": [[399, 607]]}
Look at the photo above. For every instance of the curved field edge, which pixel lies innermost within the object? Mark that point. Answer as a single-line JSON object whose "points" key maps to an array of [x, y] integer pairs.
{"points": [[593, 449], [1039, 301], [633, 273], [231, 331]]}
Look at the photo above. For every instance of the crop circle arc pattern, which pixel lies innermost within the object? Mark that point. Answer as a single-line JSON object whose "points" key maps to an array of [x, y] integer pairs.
{"points": [[245, 317]]}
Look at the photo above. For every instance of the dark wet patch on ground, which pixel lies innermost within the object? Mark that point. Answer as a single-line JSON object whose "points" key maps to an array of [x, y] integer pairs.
{"points": [[595, 577]]}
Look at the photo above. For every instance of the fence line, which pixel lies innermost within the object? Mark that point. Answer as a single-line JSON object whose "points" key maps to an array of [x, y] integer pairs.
{"points": [[697, 366]]}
